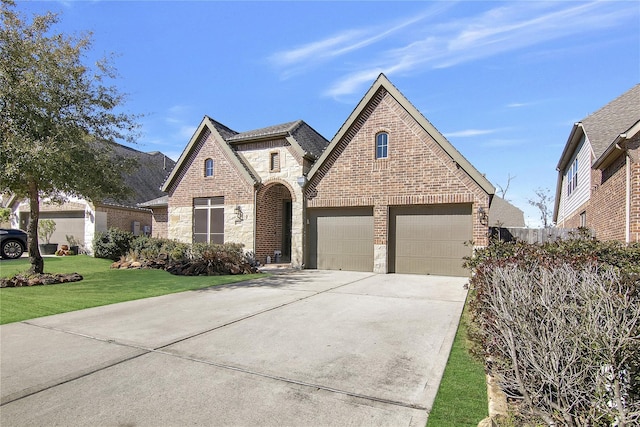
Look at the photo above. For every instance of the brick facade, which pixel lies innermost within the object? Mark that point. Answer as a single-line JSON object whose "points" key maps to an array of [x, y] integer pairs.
{"points": [[226, 181], [123, 218], [417, 170], [607, 208], [160, 222], [270, 221]]}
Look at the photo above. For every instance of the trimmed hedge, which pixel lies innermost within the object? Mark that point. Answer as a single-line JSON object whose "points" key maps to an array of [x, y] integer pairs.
{"points": [[572, 290]]}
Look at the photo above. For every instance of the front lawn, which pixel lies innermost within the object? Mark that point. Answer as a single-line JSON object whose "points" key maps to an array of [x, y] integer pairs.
{"points": [[462, 397], [100, 286]]}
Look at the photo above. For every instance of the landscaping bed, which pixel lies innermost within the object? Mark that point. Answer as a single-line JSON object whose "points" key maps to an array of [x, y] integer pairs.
{"points": [[38, 279]]}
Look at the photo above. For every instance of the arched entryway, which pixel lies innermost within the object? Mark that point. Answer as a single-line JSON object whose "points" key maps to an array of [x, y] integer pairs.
{"points": [[274, 218]]}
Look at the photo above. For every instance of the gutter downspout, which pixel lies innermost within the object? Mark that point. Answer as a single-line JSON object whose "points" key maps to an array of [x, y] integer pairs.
{"points": [[628, 200]]}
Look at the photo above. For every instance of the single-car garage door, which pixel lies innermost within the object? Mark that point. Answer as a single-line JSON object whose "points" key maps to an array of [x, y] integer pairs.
{"points": [[430, 239], [341, 239]]}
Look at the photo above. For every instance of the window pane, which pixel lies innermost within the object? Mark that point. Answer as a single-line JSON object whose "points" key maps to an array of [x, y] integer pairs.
{"points": [[208, 167], [200, 221], [381, 145], [217, 238], [199, 238], [217, 200], [274, 163], [217, 221], [200, 201]]}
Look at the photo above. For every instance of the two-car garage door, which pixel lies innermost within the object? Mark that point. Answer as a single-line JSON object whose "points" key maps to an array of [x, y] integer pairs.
{"points": [[424, 239]]}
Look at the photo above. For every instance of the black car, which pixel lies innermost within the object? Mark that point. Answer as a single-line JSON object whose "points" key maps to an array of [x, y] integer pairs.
{"points": [[12, 243]]}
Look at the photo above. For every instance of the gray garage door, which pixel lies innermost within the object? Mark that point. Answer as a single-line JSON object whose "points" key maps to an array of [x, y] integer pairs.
{"points": [[341, 239], [68, 223], [430, 239]]}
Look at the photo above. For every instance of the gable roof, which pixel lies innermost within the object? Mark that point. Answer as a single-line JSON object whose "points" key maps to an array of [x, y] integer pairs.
{"points": [[302, 137], [207, 127], [604, 129], [603, 126], [383, 82], [145, 181]]}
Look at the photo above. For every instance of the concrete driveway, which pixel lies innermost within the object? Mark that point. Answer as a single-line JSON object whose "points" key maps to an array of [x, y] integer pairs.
{"points": [[302, 348]]}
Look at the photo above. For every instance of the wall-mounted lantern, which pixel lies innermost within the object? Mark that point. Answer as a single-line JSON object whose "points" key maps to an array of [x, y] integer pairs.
{"points": [[482, 216], [239, 214]]}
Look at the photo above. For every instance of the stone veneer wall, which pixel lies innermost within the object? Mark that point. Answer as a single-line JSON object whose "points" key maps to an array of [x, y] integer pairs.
{"points": [[228, 182], [277, 185]]}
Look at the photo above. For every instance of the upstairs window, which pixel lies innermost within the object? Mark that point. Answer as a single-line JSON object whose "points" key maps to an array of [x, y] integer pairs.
{"points": [[274, 162], [208, 167], [382, 145], [572, 177]]}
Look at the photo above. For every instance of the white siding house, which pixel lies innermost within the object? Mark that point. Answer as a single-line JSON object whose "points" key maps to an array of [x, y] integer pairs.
{"points": [[576, 182]]}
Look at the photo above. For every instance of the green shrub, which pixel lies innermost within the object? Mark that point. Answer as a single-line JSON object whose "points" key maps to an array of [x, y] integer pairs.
{"points": [[227, 252], [112, 244], [150, 248]]}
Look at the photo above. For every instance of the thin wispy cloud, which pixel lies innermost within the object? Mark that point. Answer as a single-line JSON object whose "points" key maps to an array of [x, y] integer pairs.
{"points": [[519, 104], [297, 59], [468, 133], [507, 28]]}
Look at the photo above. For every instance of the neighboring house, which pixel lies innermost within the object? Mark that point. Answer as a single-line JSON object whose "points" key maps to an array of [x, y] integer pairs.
{"points": [[504, 214], [599, 172], [79, 219], [388, 193]]}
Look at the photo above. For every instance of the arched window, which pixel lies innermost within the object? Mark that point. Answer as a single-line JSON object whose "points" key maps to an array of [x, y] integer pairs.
{"points": [[382, 145], [208, 167]]}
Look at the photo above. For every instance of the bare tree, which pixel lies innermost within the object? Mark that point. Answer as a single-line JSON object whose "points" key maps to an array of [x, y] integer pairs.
{"points": [[502, 192], [544, 202]]}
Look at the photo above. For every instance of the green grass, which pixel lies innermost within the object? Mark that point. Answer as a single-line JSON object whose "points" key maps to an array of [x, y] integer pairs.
{"points": [[100, 286], [462, 396]]}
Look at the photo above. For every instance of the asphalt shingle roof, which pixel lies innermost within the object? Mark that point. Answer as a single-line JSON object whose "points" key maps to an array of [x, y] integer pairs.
{"points": [[145, 181], [310, 141], [603, 126]]}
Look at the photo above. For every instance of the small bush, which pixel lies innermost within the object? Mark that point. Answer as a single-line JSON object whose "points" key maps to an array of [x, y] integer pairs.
{"points": [[151, 248], [112, 244]]}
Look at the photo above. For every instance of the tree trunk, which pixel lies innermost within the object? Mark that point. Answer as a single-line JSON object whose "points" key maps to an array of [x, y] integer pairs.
{"points": [[36, 260]]}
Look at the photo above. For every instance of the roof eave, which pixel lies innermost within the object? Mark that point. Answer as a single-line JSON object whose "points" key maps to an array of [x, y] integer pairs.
{"points": [[569, 148], [185, 153], [616, 148], [206, 123]]}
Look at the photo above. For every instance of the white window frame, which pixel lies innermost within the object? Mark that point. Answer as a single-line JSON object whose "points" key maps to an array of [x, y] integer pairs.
{"points": [[382, 145], [211, 205], [208, 167]]}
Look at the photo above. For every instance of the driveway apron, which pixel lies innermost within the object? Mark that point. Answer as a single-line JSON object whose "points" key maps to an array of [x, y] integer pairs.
{"points": [[302, 348]]}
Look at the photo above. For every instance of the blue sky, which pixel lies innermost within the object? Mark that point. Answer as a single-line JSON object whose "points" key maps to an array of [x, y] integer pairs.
{"points": [[503, 81]]}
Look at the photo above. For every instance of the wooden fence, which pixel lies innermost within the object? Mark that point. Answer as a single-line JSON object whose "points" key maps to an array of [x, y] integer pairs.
{"points": [[532, 235]]}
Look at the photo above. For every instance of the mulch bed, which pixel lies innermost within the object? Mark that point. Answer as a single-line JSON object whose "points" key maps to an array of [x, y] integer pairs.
{"points": [[38, 280]]}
